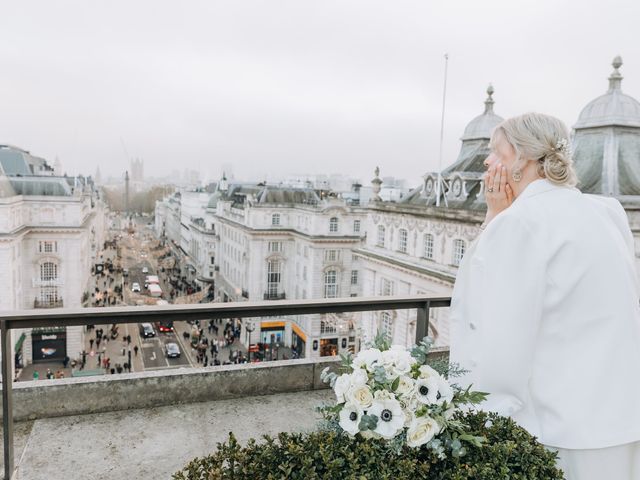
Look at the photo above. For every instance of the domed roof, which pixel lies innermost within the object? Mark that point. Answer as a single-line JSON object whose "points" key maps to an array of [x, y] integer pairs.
{"points": [[482, 126], [612, 108]]}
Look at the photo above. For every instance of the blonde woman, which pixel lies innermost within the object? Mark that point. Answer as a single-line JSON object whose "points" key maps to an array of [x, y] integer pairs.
{"points": [[545, 311]]}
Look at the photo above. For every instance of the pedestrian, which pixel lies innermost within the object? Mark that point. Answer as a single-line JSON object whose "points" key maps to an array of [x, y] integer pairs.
{"points": [[91, 343], [135, 350], [128, 339], [36, 375], [124, 351]]}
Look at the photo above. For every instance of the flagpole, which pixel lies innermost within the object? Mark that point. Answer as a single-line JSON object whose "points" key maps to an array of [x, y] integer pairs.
{"points": [[440, 181]]}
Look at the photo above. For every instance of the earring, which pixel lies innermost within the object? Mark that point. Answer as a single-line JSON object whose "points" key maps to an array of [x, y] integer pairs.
{"points": [[516, 175]]}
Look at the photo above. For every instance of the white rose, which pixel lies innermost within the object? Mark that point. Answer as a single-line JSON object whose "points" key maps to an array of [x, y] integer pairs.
{"points": [[367, 358], [421, 430], [427, 372], [383, 395], [359, 377], [341, 386], [360, 396], [405, 386]]}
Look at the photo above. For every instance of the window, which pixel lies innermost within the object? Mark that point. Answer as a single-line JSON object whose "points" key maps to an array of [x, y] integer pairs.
{"points": [[48, 247], [333, 224], [275, 219], [306, 251], [381, 235], [304, 272], [458, 251], [386, 287], [331, 255], [275, 246], [330, 284], [354, 277], [402, 240], [213, 260], [356, 226], [386, 325], [273, 277], [428, 246], [48, 271]]}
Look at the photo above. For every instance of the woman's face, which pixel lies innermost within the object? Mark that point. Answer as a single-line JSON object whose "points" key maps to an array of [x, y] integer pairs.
{"points": [[502, 154]]}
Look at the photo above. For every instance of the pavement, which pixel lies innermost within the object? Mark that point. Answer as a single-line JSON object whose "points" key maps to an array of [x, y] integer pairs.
{"points": [[155, 442]]}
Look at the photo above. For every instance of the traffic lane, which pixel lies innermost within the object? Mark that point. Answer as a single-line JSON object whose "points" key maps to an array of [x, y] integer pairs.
{"points": [[154, 355]]}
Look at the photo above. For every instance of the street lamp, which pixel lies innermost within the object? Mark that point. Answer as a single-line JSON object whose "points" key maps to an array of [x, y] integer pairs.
{"points": [[250, 327]]}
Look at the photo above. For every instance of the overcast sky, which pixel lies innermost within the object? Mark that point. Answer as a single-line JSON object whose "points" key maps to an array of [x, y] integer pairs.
{"points": [[293, 86]]}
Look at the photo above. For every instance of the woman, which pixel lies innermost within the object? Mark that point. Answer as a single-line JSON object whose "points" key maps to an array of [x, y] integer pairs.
{"points": [[545, 311]]}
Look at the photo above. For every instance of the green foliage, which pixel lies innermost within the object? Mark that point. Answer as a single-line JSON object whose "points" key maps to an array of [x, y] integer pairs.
{"points": [[509, 453]]}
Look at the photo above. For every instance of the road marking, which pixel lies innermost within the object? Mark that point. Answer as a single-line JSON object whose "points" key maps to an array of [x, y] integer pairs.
{"points": [[153, 355], [184, 350]]}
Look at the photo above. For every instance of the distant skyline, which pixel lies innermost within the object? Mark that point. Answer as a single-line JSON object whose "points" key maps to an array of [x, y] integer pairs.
{"points": [[293, 87]]}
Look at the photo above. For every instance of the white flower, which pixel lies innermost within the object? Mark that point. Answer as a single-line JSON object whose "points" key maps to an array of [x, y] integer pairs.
{"points": [[390, 417], [360, 396], [409, 416], [383, 395], [342, 385], [397, 361], [359, 377], [368, 358], [448, 413], [427, 372], [427, 390], [406, 386], [445, 392], [421, 430], [350, 418]]}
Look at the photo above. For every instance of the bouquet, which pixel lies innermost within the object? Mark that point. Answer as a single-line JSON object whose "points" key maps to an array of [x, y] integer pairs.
{"points": [[390, 392]]}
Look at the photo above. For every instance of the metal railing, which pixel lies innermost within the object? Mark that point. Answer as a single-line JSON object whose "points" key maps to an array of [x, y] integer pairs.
{"points": [[48, 303], [99, 316], [274, 296]]}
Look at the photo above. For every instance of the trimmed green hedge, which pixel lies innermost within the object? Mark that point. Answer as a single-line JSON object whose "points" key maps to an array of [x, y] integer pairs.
{"points": [[509, 454]]}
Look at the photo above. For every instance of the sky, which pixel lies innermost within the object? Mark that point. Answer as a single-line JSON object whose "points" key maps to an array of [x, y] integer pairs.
{"points": [[292, 87]]}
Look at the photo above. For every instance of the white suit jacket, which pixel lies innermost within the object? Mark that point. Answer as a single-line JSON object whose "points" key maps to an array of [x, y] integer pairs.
{"points": [[545, 316]]}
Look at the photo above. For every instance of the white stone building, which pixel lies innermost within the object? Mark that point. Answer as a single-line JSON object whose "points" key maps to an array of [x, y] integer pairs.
{"points": [[51, 231]]}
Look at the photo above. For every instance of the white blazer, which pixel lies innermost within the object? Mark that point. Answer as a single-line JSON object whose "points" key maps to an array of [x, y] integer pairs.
{"points": [[545, 316]]}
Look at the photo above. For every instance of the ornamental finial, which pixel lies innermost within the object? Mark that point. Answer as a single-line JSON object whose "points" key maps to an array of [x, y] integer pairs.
{"points": [[488, 103], [615, 80]]}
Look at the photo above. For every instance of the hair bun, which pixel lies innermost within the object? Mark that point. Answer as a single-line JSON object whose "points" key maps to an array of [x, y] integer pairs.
{"points": [[558, 167]]}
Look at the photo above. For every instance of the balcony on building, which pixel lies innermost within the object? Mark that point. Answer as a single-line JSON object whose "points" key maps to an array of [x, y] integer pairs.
{"points": [[48, 303], [274, 296]]}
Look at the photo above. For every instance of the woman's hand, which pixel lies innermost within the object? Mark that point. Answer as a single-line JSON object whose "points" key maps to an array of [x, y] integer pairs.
{"points": [[497, 191]]}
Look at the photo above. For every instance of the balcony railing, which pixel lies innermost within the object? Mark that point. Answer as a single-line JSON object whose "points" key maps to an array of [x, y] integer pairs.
{"points": [[47, 303], [132, 315], [274, 296], [54, 282]]}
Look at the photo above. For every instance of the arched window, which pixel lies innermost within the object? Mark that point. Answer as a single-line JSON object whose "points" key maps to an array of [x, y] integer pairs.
{"points": [[402, 240], [428, 246], [331, 284], [381, 234], [48, 271], [333, 224], [458, 251]]}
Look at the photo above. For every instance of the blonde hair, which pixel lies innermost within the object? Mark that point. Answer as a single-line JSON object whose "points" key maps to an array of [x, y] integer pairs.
{"points": [[538, 137]]}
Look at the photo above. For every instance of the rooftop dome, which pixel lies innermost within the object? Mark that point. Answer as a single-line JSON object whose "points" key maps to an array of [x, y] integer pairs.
{"points": [[482, 126], [606, 143], [612, 108]]}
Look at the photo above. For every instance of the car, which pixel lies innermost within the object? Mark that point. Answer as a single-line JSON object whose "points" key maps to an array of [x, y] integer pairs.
{"points": [[145, 270], [146, 330], [125, 272], [135, 287], [165, 327], [172, 349]]}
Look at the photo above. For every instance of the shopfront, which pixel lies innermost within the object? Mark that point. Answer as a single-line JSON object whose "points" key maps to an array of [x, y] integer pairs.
{"points": [[49, 345], [272, 333], [328, 347], [298, 340]]}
